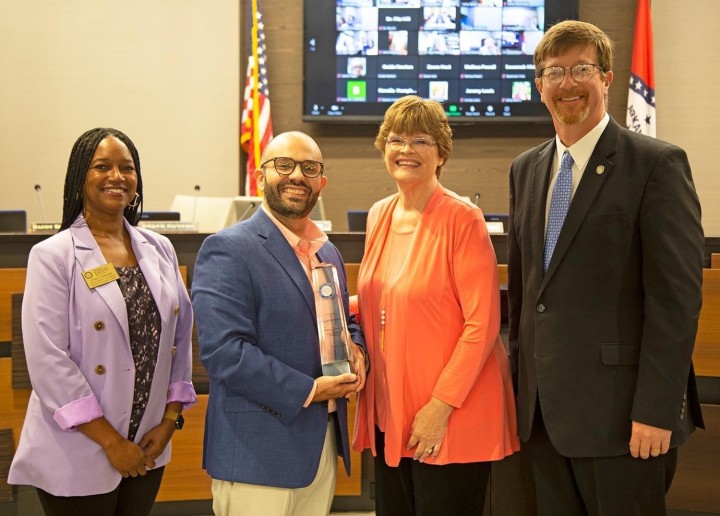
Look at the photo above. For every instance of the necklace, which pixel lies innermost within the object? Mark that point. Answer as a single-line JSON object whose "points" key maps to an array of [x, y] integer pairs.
{"points": [[383, 318], [394, 262]]}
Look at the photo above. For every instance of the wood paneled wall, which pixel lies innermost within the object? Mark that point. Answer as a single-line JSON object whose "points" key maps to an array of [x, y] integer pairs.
{"points": [[482, 154]]}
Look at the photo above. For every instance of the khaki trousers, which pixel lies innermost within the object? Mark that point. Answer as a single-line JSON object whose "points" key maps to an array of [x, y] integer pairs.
{"points": [[238, 499]]}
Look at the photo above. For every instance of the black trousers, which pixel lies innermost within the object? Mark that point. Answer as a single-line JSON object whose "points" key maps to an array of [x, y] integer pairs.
{"points": [[134, 496], [420, 489], [597, 486]]}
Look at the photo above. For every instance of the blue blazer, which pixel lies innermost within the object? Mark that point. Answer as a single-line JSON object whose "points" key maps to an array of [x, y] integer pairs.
{"points": [[255, 313]]}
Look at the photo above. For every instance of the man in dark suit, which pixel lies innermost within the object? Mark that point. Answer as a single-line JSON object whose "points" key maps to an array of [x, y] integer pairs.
{"points": [[605, 287], [275, 425]]}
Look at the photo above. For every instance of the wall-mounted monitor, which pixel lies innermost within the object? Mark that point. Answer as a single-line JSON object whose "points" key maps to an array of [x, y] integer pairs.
{"points": [[475, 57]]}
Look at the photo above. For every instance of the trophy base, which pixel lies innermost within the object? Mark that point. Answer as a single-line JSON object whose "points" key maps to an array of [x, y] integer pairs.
{"points": [[336, 368]]}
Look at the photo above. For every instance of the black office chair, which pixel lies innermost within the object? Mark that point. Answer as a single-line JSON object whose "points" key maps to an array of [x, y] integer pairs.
{"points": [[357, 220], [13, 221]]}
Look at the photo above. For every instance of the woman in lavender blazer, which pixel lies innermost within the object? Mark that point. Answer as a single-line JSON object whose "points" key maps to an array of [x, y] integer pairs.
{"points": [[107, 328]]}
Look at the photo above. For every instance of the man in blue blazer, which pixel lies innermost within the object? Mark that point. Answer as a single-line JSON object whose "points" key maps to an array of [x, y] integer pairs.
{"points": [[275, 424], [603, 303]]}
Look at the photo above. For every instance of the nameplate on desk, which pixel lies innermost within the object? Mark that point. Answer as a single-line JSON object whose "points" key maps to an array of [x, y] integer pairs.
{"points": [[325, 225], [495, 227], [44, 227], [169, 226]]}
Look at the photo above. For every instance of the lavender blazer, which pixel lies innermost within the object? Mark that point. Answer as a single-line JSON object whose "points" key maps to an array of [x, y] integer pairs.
{"points": [[80, 363]]}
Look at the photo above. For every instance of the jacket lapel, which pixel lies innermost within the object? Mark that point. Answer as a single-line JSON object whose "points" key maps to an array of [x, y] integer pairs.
{"points": [[147, 258], [376, 238], [277, 245], [597, 171], [88, 256], [540, 183]]}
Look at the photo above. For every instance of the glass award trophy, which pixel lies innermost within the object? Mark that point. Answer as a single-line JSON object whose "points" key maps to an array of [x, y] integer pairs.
{"points": [[332, 326]]}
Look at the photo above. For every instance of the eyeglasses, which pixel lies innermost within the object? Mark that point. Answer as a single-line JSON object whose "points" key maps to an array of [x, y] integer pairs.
{"points": [[286, 166], [580, 72], [398, 142]]}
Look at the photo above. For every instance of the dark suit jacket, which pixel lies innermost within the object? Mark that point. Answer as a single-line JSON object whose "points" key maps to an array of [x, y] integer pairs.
{"points": [[258, 334], [606, 336]]}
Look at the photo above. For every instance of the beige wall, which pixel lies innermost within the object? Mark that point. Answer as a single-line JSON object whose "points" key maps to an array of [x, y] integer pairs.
{"points": [[169, 74], [164, 71], [687, 77]]}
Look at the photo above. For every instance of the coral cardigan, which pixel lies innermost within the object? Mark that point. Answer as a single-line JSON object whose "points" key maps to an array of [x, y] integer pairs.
{"points": [[442, 335]]}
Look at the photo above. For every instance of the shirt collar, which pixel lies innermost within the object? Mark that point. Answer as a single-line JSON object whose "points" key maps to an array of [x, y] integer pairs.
{"points": [[584, 147], [314, 236]]}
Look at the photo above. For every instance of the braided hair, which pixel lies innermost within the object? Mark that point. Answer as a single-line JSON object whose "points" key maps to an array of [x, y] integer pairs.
{"points": [[78, 167]]}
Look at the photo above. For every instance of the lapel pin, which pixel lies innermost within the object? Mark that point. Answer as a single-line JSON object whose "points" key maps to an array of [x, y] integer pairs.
{"points": [[600, 169]]}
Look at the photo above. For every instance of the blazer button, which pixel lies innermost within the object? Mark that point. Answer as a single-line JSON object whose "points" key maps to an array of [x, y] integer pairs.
{"points": [[99, 325], [100, 369], [174, 350], [540, 308], [177, 309]]}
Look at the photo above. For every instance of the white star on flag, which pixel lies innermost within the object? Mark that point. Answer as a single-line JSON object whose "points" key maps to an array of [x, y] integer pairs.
{"points": [[641, 94]]}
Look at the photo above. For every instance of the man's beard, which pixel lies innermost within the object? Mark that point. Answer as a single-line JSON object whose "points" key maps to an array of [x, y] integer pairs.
{"points": [[574, 117], [291, 210]]}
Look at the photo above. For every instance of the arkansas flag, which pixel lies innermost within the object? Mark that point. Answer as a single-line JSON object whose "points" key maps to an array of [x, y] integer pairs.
{"points": [[256, 125], [641, 98]]}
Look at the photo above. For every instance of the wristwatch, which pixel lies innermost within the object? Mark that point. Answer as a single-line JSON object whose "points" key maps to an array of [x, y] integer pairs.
{"points": [[175, 416]]}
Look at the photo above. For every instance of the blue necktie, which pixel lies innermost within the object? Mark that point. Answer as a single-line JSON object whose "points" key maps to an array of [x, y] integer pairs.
{"points": [[559, 204]]}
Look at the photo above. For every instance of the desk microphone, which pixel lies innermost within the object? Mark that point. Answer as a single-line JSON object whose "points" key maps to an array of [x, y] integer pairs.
{"points": [[197, 191], [250, 207], [38, 189], [477, 199]]}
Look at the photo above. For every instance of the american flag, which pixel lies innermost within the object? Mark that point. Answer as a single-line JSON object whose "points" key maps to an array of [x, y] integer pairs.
{"points": [[641, 97], [256, 125]]}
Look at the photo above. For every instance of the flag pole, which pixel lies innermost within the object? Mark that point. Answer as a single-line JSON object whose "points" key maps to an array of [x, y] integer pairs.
{"points": [[256, 85]]}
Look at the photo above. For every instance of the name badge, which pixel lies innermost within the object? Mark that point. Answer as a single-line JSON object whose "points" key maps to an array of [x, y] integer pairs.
{"points": [[100, 275]]}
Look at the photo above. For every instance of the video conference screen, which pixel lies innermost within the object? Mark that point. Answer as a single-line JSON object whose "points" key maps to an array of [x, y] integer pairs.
{"points": [[475, 57]]}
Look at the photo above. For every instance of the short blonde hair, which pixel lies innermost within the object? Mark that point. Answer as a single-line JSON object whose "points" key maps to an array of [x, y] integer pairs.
{"points": [[412, 115]]}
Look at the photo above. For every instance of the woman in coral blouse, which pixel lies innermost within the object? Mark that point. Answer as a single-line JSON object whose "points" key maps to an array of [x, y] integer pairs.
{"points": [[438, 405]]}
